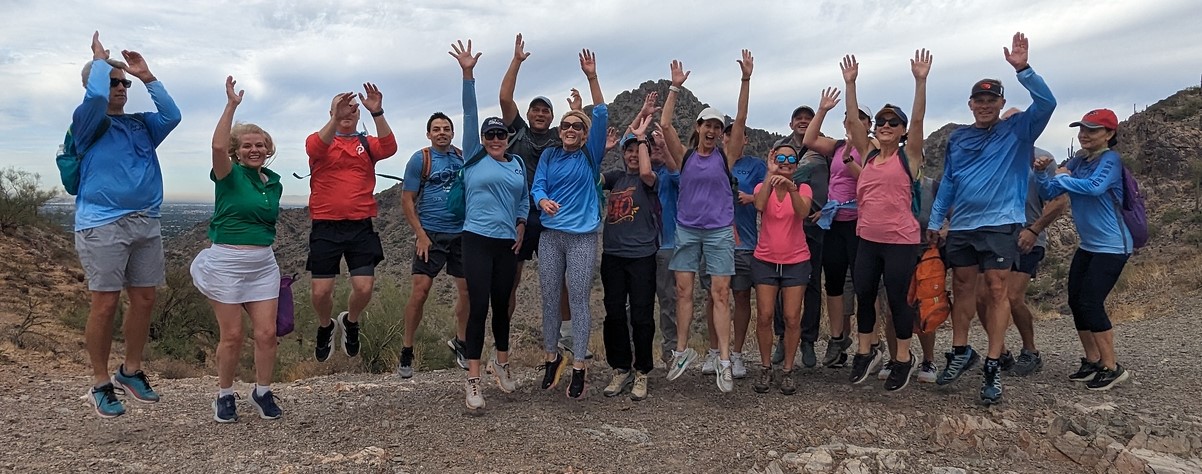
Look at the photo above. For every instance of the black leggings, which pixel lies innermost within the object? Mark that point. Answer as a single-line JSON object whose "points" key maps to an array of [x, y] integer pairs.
{"points": [[1091, 276], [894, 262], [488, 266], [839, 255]]}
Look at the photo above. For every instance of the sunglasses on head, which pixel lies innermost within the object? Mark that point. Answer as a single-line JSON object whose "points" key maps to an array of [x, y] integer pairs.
{"points": [[496, 135], [572, 125], [125, 82], [783, 159], [893, 122]]}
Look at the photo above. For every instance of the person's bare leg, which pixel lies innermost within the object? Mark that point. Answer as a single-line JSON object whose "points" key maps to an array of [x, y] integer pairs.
{"points": [[998, 320], [99, 333], [229, 347], [361, 287], [793, 297], [136, 326], [262, 322], [742, 318], [323, 299], [684, 308], [765, 298], [964, 297], [461, 310], [1104, 342], [1092, 352], [417, 301], [711, 333], [1024, 320], [720, 292]]}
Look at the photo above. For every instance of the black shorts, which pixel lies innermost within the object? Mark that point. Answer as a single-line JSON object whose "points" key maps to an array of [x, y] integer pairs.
{"points": [[780, 275], [1029, 262], [534, 229], [992, 247], [331, 241], [445, 249]]}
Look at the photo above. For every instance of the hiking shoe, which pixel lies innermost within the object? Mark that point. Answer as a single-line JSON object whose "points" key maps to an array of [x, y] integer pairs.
{"points": [[135, 385], [1087, 371], [710, 366], [618, 383], [576, 388], [325, 342], [957, 365], [1027, 363], [860, 367], [265, 405], [778, 352], [225, 409], [638, 390], [991, 389], [836, 352], [552, 371], [899, 374], [886, 369], [1006, 361], [808, 358], [738, 368], [405, 369], [104, 400], [475, 398], [724, 378], [788, 384], [459, 349], [927, 372], [350, 334], [680, 362], [767, 376], [1107, 379], [500, 372]]}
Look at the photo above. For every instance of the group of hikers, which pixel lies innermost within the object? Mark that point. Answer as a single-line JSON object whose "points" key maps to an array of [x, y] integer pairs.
{"points": [[855, 211]]}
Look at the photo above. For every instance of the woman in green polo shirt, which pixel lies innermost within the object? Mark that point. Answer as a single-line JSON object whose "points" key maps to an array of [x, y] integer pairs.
{"points": [[239, 270]]}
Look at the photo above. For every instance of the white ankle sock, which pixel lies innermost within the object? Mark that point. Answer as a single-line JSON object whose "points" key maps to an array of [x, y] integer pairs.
{"points": [[725, 363], [225, 391], [261, 390]]}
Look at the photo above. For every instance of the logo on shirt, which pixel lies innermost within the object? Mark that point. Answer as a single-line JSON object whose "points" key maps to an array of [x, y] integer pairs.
{"points": [[621, 206], [359, 149]]}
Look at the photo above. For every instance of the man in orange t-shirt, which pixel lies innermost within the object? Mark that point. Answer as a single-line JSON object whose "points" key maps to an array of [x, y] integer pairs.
{"points": [[341, 204]]}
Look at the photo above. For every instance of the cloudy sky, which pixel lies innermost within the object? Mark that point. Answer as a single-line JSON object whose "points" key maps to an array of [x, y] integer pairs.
{"points": [[292, 56]]}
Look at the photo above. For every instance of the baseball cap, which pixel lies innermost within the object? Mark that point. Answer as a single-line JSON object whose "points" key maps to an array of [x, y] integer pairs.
{"points": [[493, 123], [544, 100], [1098, 118], [866, 111], [988, 86], [896, 111], [728, 123], [710, 113], [628, 139], [800, 109]]}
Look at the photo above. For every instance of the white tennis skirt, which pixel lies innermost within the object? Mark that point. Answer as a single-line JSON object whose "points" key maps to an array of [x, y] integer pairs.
{"points": [[236, 275]]}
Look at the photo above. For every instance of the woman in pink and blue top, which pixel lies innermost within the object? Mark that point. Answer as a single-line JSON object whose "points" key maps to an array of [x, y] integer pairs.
{"points": [[781, 263], [888, 228]]}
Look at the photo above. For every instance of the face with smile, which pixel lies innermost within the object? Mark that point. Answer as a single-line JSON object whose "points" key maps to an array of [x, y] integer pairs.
{"points": [[495, 142], [889, 128], [440, 133], [253, 150], [800, 123], [781, 158], [708, 133], [118, 89], [986, 109], [1094, 139], [572, 131], [539, 116]]}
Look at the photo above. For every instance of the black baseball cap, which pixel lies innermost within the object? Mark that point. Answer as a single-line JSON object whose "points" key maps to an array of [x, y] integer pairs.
{"points": [[988, 86], [799, 110]]}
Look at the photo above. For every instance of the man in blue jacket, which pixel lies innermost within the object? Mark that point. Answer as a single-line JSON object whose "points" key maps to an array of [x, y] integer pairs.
{"points": [[117, 232], [984, 186]]}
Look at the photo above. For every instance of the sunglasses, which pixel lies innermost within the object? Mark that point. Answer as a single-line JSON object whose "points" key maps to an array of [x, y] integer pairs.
{"points": [[496, 135], [783, 159], [125, 82], [572, 125], [893, 122]]}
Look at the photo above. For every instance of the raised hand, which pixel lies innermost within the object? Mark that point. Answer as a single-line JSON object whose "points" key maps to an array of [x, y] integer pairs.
{"points": [[98, 51], [746, 64], [850, 68], [373, 102], [657, 139], [679, 75], [519, 49], [611, 138], [231, 97], [136, 65], [649, 102], [830, 98], [464, 54], [640, 127], [921, 64], [343, 105], [588, 63], [1016, 54], [574, 100]]}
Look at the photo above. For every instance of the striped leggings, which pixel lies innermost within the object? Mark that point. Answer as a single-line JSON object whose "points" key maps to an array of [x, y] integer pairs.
{"points": [[573, 256]]}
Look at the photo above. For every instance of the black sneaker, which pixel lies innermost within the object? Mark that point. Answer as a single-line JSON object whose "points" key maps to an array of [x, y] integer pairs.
{"points": [[552, 371], [899, 374], [576, 388], [405, 369], [1107, 379], [1086, 372], [325, 342], [459, 348], [225, 409], [265, 405], [1027, 363], [859, 367], [1007, 361], [991, 389], [350, 335]]}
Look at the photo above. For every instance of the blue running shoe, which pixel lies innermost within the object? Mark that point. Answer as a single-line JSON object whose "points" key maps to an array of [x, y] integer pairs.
{"points": [[266, 406], [957, 365], [225, 409], [135, 385], [991, 390], [104, 400]]}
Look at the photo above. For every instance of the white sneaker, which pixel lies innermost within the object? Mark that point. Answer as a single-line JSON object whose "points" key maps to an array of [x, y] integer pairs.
{"points": [[475, 398], [501, 373], [927, 372], [725, 380], [710, 366], [737, 368], [680, 362]]}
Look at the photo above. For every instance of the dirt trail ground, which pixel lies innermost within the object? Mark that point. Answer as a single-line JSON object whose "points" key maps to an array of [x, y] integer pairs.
{"points": [[365, 423]]}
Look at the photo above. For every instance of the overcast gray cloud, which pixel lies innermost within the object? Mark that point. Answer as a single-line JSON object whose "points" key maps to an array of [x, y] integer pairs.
{"points": [[293, 56]]}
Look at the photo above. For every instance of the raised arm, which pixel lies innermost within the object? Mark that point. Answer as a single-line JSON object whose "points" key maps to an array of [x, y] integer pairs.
{"points": [[471, 120], [738, 130], [856, 133], [588, 64], [920, 66], [1037, 115], [222, 165], [813, 138], [167, 114], [92, 112], [374, 103], [673, 149], [509, 108], [639, 129]]}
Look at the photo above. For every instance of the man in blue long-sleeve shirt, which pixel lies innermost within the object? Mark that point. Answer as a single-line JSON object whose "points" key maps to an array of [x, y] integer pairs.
{"points": [[984, 187], [117, 232]]}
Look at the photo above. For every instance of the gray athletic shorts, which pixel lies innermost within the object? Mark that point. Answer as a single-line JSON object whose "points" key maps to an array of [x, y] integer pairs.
{"points": [[125, 253], [741, 280]]}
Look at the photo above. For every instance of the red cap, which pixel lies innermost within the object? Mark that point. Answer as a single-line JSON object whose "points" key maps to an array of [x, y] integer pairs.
{"points": [[1098, 118]]}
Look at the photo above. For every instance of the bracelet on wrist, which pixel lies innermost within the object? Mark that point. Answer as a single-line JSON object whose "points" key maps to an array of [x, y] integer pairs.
{"points": [[377, 113], [673, 89], [745, 79]]}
